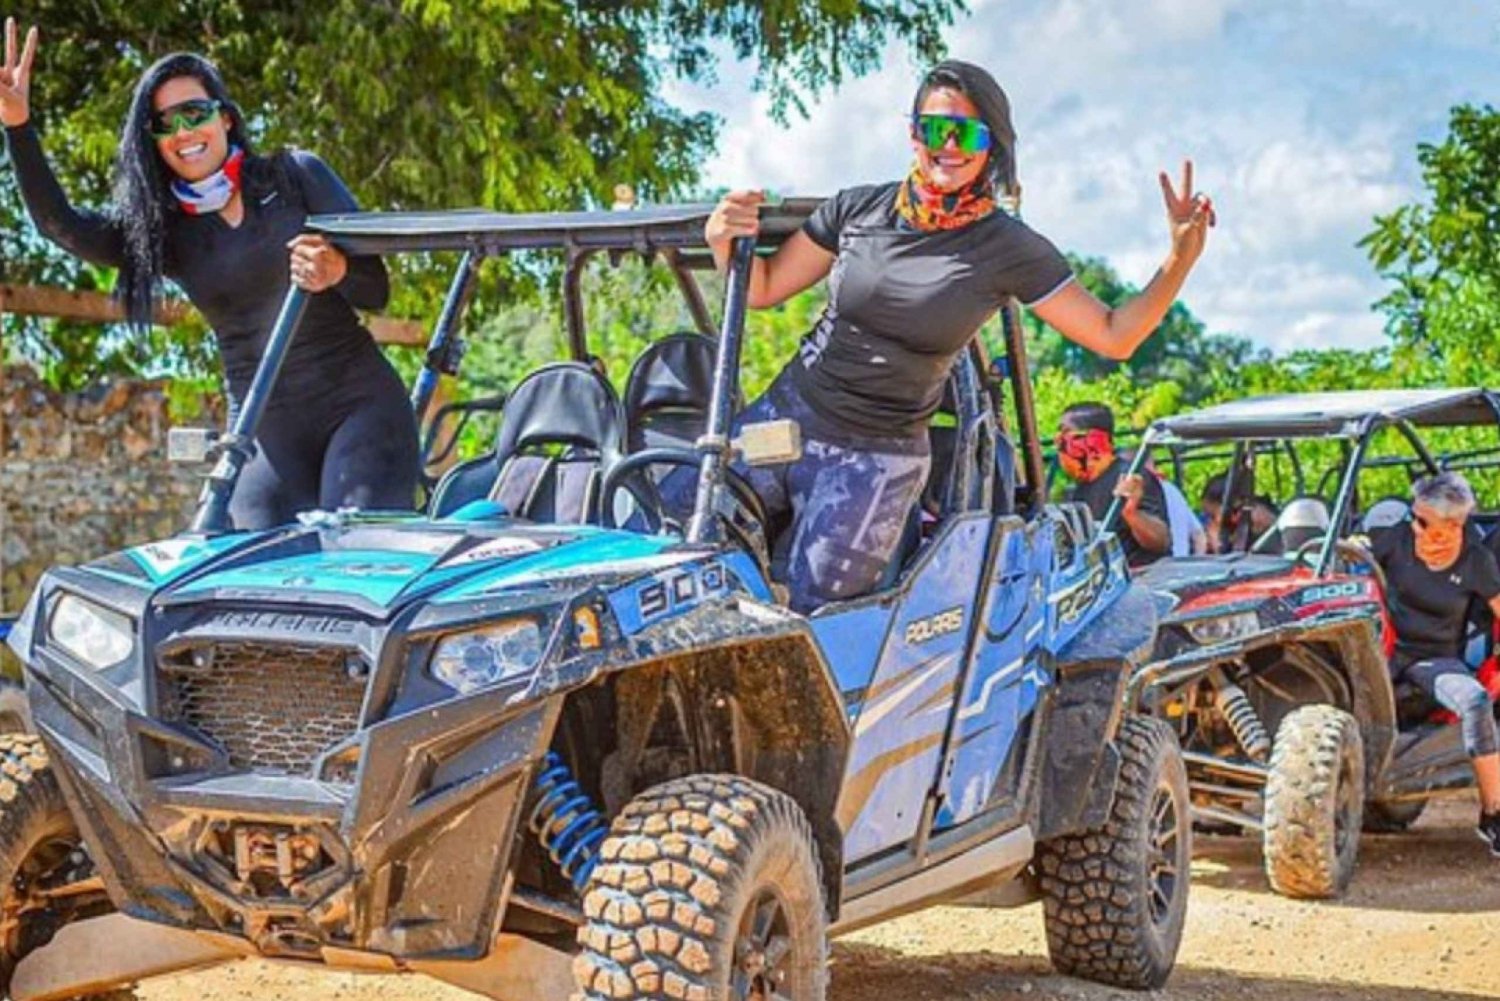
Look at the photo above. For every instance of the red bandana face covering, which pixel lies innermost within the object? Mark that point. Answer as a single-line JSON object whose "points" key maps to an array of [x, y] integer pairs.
{"points": [[926, 209]]}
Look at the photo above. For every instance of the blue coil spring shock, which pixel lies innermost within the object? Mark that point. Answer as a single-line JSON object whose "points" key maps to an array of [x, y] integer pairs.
{"points": [[566, 821]]}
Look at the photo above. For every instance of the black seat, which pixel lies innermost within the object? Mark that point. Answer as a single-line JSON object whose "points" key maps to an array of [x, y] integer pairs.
{"points": [[561, 430], [668, 391]]}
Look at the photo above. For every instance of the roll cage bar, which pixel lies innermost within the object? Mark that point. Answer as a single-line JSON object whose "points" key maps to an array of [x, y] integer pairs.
{"points": [[675, 233], [1423, 408]]}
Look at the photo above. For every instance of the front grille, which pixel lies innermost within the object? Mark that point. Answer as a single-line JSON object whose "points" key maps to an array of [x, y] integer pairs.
{"points": [[273, 708]]}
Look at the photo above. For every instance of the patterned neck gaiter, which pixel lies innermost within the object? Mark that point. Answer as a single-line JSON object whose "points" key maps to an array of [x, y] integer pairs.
{"points": [[213, 192], [926, 209]]}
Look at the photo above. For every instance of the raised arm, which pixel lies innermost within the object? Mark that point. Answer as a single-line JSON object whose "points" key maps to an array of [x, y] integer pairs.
{"points": [[93, 236], [798, 263], [1115, 333], [316, 264]]}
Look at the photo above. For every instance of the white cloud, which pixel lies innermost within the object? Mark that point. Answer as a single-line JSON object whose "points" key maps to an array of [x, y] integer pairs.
{"points": [[1303, 117]]}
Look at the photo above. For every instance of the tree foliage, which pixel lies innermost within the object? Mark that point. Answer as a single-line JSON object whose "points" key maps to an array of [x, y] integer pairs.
{"points": [[1442, 255], [1180, 351]]}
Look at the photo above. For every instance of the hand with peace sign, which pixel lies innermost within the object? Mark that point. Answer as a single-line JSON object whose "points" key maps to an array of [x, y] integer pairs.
{"points": [[1189, 215], [15, 77]]}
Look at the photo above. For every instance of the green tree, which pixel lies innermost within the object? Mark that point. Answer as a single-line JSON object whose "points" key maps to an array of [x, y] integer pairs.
{"points": [[1180, 351], [512, 104], [1442, 255]]}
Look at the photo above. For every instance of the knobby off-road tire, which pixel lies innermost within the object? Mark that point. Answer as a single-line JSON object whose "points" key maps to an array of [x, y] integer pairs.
{"points": [[1392, 818], [1115, 898], [1314, 801], [708, 889], [36, 832]]}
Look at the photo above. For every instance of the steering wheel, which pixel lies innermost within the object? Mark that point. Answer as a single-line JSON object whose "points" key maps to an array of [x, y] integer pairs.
{"points": [[1351, 551], [627, 474]]}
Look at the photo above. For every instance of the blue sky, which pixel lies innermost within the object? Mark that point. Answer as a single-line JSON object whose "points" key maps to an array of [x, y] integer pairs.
{"points": [[1303, 118]]}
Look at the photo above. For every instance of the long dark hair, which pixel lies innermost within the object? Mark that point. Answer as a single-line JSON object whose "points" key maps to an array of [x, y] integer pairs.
{"points": [[142, 190], [978, 86]]}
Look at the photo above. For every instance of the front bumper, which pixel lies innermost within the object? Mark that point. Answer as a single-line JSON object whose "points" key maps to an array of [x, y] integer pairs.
{"points": [[408, 858]]}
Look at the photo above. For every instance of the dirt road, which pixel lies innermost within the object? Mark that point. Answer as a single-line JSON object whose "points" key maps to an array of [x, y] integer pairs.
{"points": [[1421, 923]]}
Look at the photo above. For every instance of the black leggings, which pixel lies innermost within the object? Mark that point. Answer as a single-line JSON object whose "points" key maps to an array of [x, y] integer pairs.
{"points": [[353, 444]]}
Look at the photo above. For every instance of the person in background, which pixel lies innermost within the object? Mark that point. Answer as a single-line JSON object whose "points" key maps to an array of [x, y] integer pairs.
{"points": [[1434, 570], [1188, 536], [1239, 534], [1086, 452]]}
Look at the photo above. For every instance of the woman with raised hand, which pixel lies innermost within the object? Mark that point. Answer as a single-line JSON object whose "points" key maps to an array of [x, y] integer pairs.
{"points": [[914, 268], [194, 203]]}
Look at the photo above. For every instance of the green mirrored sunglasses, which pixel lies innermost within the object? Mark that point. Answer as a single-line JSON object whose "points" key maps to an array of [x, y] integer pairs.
{"points": [[185, 115], [934, 131]]}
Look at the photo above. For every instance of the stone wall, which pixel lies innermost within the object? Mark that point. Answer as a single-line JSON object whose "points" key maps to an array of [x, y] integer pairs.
{"points": [[82, 474]]}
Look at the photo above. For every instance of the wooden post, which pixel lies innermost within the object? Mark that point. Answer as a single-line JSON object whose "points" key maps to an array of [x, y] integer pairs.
{"points": [[97, 307]]}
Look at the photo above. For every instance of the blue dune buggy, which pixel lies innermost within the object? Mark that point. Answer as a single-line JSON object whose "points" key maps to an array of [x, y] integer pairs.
{"points": [[507, 745]]}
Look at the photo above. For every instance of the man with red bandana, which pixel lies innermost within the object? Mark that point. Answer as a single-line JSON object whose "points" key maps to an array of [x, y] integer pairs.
{"points": [[1086, 453]]}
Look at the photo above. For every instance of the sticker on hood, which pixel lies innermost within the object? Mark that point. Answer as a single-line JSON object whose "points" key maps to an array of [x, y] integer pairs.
{"points": [[502, 548]]}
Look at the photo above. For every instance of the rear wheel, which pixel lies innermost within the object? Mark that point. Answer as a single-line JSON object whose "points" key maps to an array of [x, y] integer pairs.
{"points": [[1314, 802], [708, 887], [1115, 898]]}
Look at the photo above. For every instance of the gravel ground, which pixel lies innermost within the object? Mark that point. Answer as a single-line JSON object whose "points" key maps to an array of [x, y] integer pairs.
{"points": [[1420, 923]]}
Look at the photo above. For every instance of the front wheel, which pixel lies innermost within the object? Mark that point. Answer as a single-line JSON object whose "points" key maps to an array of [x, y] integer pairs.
{"points": [[1115, 898], [1314, 800], [708, 887], [41, 856]]}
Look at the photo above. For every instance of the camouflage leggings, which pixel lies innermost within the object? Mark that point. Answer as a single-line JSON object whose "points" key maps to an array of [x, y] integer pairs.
{"points": [[847, 505]]}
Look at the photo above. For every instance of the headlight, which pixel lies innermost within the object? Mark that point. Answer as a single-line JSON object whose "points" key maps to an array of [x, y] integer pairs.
{"points": [[470, 661], [95, 635], [1223, 627]]}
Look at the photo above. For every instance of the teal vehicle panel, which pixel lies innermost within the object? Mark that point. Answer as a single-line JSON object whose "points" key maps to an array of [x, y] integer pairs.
{"points": [[375, 576], [595, 551], [157, 564]]}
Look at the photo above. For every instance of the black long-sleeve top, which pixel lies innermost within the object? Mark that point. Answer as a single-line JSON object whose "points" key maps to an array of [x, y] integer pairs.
{"points": [[237, 276]]}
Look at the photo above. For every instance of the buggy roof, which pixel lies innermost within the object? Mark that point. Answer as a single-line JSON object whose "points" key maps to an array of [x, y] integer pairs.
{"points": [[1336, 414], [663, 227]]}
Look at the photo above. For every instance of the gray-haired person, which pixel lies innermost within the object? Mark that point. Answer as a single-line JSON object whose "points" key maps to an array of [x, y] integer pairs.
{"points": [[1433, 568]]}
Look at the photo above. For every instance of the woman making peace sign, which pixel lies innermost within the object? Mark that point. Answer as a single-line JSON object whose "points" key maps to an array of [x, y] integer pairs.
{"points": [[914, 268], [194, 203]]}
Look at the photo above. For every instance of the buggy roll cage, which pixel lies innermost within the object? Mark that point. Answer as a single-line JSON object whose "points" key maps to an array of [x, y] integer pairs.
{"points": [[673, 232], [1352, 417]]}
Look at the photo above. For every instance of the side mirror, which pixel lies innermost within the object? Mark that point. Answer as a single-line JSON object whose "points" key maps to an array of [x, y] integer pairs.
{"points": [[191, 444], [771, 443]]}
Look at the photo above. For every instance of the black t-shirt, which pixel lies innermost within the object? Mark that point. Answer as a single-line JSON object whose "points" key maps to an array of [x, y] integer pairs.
{"points": [[1098, 493], [1428, 607], [237, 276], [902, 304]]}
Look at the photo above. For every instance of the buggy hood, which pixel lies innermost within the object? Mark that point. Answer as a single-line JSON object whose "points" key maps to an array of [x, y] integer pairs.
{"points": [[1245, 575], [378, 566]]}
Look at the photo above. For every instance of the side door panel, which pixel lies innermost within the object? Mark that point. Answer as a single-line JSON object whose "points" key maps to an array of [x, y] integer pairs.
{"points": [[1005, 684], [899, 729]]}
